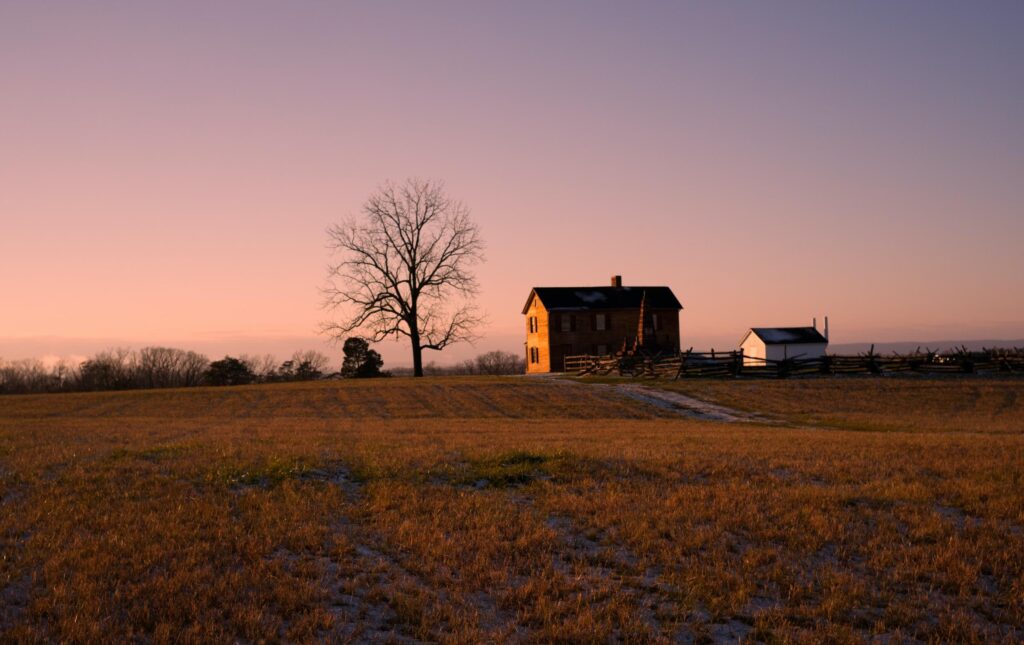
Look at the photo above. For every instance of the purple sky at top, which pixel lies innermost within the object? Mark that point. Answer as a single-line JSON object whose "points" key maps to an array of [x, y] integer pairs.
{"points": [[168, 169]]}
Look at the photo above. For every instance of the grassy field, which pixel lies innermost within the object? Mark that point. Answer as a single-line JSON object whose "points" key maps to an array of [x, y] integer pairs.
{"points": [[514, 509], [913, 404]]}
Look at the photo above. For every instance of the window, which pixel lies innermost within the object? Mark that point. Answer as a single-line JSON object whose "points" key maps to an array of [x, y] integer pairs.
{"points": [[568, 322], [600, 322], [602, 350], [534, 355], [533, 325], [654, 319]]}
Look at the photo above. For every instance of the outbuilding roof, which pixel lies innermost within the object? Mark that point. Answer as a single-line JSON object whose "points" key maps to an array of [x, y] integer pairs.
{"points": [[586, 298], [786, 335]]}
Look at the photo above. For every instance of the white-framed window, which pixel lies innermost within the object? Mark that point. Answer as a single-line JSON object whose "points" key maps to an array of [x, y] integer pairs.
{"points": [[600, 322], [533, 325], [534, 355]]}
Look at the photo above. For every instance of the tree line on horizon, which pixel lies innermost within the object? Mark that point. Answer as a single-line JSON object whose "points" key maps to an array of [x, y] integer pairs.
{"points": [[496, 363], [155, 367], [402, 269], [165, 367]]}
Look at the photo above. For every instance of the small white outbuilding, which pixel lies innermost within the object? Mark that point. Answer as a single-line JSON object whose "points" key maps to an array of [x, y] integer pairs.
{"points": [[780, 343]]}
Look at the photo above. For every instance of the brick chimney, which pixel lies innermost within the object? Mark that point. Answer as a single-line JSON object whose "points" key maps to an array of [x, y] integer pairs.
{"points": [[616, 280]]}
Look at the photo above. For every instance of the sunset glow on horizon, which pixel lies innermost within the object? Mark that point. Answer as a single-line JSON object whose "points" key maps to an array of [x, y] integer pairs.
{"points": [[168, 171]]}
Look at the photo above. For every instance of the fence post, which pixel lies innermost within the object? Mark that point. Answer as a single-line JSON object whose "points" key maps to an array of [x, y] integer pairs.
{"points": [[737, 362], [682, 364], [782, 368]]}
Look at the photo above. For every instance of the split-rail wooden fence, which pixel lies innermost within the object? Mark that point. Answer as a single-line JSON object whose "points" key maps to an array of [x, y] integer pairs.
{"points": [[691, 364]]}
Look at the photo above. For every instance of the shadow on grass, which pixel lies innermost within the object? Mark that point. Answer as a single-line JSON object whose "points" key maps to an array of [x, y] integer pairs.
{"points": [[521, 468], [506, 470]]}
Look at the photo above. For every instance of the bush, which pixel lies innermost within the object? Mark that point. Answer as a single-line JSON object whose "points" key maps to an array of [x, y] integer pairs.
{"points": [[360, 360]]}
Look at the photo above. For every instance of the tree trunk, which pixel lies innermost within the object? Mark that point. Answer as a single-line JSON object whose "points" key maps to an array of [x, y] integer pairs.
{"points": [[417, 351], [417, 359]]}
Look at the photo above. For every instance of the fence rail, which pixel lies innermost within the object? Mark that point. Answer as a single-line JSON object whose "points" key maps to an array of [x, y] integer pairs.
{"points": [[691, 364]]}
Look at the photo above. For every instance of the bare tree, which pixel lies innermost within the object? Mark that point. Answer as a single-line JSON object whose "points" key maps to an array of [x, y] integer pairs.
{"points": [[192, 367], [113, 369], [169, 367], [24, 376], [303, 366], [405, 269], [498, 362], [314, 360], [264, 366]]}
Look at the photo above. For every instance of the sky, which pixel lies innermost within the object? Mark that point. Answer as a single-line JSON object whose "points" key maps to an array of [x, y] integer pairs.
{"points": [[168, 169]]}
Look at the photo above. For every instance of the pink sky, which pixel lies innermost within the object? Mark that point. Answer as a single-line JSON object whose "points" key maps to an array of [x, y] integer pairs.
{"points": [[168, 170]]}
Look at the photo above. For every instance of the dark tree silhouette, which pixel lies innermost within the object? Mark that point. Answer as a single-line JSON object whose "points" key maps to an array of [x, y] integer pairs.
{"points": [[405, 269], [360, 360], [109, 370], [229, 371]]}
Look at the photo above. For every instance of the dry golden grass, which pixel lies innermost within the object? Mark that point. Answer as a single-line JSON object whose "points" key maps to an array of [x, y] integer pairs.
{"points": [[493, 510], [909, 403]]}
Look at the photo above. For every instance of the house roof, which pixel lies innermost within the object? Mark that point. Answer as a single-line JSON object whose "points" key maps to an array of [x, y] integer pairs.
{"points": [[588, 298], [786, 335]]}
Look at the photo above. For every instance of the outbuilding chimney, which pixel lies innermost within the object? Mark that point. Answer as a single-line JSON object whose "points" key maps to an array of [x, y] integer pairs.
{"points": [[826, 327], [616, 280]]}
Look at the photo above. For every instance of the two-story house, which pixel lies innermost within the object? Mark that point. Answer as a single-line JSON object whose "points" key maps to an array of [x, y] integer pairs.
{"points": [[569, 321]]}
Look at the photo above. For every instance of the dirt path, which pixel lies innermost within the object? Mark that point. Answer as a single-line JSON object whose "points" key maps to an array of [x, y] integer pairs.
{"points": [[688, 406]]}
